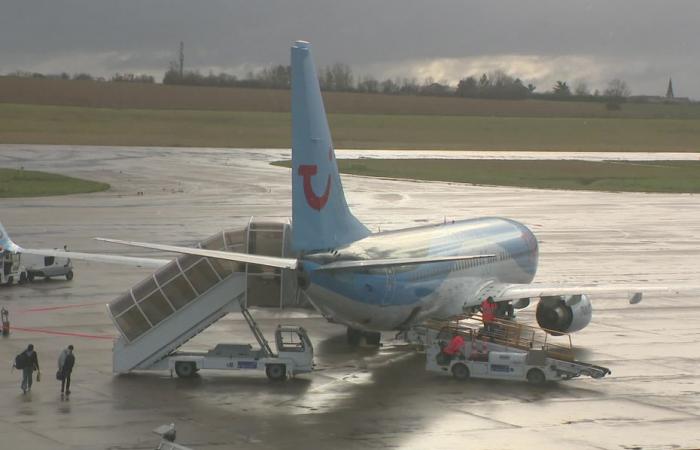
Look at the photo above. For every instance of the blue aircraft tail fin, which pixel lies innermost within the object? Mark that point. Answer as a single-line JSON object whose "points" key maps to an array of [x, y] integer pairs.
{"points": [[6, 243], [321, 219]]}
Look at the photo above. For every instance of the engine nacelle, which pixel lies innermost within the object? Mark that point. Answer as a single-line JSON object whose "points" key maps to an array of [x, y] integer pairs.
{"points": [[564, 314]]}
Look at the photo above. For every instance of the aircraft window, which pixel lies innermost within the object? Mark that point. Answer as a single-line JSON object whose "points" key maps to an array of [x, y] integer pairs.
{"points": [[132, 323], [179, 292], [187, 261], [121, 304], [289, 341], [144, 288], [202, 276], [166, 273], [224, 268], [155, 307]]}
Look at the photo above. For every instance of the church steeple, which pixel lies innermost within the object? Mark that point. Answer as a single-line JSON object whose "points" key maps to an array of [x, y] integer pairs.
{"points": [[669, 91]]}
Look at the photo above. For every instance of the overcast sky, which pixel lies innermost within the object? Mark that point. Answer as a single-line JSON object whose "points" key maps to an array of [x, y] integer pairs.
{"points": [[641, 41]]}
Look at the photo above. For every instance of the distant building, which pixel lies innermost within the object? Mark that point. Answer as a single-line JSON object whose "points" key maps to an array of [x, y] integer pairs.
{"points": [[669, 98], [669, 91]]}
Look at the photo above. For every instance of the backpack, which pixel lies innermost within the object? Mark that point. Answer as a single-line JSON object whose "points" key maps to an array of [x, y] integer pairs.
{"points": [[21, 360]]}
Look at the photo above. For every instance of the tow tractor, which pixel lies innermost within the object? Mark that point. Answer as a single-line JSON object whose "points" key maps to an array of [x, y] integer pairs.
{"points": [[12, 269], [506, 350], [295, 354]]}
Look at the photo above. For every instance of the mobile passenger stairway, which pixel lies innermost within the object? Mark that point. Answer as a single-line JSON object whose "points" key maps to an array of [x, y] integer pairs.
{"points": [[189, 294], [505, 350]]}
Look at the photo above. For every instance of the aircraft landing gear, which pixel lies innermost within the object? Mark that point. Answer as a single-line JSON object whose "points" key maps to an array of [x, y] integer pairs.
{"points": [[365, 338]]}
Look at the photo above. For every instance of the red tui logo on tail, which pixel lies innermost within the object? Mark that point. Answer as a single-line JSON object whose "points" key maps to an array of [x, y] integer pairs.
{"points": [[314, 201]]}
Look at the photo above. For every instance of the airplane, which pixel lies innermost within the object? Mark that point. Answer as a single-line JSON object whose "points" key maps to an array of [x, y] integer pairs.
{"points": [[392, 280]]}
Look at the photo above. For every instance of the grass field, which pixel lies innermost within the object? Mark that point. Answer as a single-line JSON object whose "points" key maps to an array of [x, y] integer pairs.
{"points": [[27, 183], [153, 96], [657, 176], [40, 124]]}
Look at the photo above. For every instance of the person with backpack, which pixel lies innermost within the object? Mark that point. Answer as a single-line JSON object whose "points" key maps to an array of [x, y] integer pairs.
{"points": [[28, 362], [66, 361]]}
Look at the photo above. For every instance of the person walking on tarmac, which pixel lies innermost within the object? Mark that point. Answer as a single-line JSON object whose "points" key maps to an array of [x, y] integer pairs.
{"points": [[66, 361], [488, 314], [28, 362]]}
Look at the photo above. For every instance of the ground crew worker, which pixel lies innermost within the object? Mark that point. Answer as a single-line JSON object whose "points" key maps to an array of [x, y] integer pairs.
{"points": [[488, 314], [29, 363], [454, 348], [66, 361]]}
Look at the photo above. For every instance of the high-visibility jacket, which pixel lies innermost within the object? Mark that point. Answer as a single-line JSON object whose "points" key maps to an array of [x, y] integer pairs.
{"points": [[488, 311], [455, 346]]}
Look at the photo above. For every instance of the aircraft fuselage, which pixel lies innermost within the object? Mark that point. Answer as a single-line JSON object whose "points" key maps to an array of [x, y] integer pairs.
{"points": [[391, 298]]}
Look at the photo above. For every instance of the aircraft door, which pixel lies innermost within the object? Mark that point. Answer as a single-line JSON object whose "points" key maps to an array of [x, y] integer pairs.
{"points": [[390, 286]]}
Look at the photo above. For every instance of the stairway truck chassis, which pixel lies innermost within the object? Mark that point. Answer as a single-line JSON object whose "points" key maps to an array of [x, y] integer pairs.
{"points": [[506, 351], [294, 356]]}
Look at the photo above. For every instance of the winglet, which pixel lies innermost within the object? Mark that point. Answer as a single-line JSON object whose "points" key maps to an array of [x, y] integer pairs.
{"points": [[6, 243]]}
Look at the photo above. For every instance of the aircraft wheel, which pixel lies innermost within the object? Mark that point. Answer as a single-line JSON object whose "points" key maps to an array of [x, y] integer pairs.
{"points": [[185, 369], [460, 371], [30, 276], [22, 278], [353, 336], [373, 338], [276, 372], [536, 376], [9, 281], [69, 275]]}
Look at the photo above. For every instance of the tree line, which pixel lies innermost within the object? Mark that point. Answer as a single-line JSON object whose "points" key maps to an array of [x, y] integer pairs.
{"points": [[82, 76], [339, 77]]}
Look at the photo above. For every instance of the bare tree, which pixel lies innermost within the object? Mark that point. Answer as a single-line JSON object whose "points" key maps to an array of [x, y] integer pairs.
{"points": [[617, 88], [181, 59], [581, 89], [561, 89]]}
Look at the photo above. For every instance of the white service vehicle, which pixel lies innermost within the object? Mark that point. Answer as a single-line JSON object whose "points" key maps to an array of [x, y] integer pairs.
{"points": [[48, 266], [509, 351], [12, 269], [295, 355]]}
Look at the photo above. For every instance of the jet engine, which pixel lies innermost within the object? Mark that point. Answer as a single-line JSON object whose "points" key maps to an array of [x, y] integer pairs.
{"points": [[564, 314]]}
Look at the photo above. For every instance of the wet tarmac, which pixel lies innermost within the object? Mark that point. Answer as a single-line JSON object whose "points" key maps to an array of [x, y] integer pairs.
{"points": [[359, 398]]}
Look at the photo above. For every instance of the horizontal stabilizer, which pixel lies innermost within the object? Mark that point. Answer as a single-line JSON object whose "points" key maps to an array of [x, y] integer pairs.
{"points": [[101, 258], [374, 263], [270, 261]]}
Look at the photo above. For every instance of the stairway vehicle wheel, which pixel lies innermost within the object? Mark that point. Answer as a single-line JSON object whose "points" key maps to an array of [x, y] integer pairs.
{"points": [[185, 369], [22, 278], [69, 275], [460, 371], [276, 372], [9, 281], [536, 376], [30, 276]]}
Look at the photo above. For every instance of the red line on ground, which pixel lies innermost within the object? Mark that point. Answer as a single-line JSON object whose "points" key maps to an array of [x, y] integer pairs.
{"points": [[63, 333], [54, 308]]}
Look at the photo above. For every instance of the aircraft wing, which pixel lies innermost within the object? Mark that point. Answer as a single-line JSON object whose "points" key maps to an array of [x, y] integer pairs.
{"points": [[133, 261], [270, 261], [537, 290], [291, 263]]}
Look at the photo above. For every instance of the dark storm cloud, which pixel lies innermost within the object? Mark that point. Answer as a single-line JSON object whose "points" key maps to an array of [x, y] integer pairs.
{"points": [[641, 39]]}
